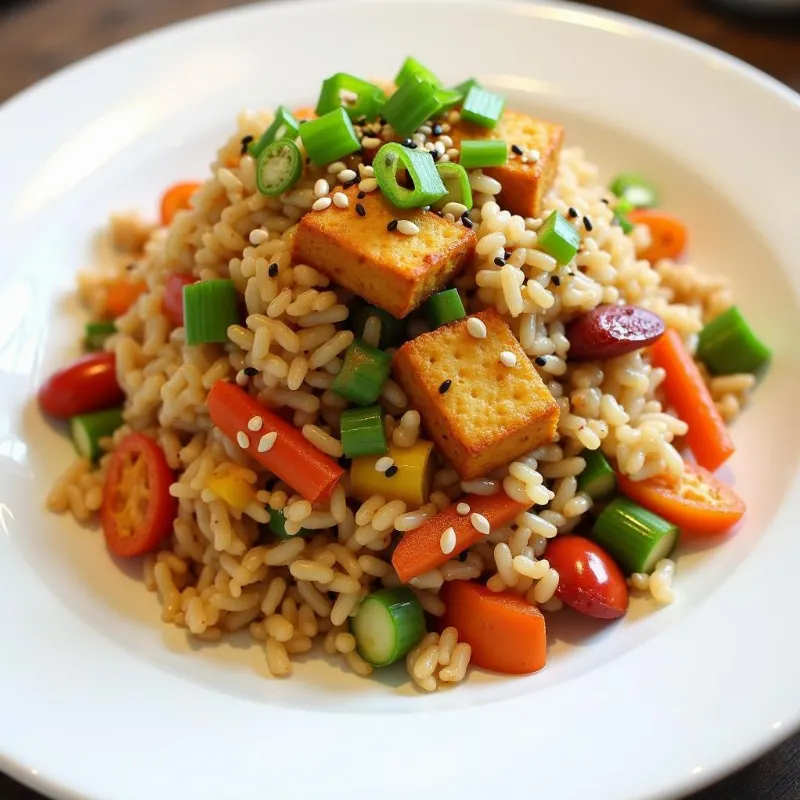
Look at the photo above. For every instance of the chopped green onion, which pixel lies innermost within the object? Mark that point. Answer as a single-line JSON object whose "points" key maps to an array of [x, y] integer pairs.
{"points": [[448, 98], [329, 137], [362, 432], [444, 307], [728, 345], [392, 329], [279, 167], [414, 69], [96, 333], [636, 538], [414, 102], [363, 374], [88, 429], [388, 624], [456, 182], [598, 478], [482, 107], [558, 238], [209, 308], [466, 85], [421, 169], [639, 192], [284, 126], [358, 98], [277, 526], [483, 153]]}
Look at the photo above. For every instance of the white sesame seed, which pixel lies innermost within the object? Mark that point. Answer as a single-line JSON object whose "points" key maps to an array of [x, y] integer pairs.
{"points": [[347, 175], [453, 152], [443, 159], [255, 424], [242, 440], [476, 328], [454, 117], [383, 463], [534, 155], [267, 441], [448, 541], [336, 167], [481, 524], [258, 236], [449, 217], [430, 146], [446, 141], [419, 138], [446, 128], [321, 188], [439, 148], [367, 170], [456, 209], [462, 509], [426, 129], [508, 358], [341, 200], [407, 227], [321, 204], [368, 185], [241, 378], [370, 143]]}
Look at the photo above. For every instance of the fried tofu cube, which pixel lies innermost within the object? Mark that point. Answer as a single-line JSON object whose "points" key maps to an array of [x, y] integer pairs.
{"points": [[491, 413], [524, 184], [388, 268]]}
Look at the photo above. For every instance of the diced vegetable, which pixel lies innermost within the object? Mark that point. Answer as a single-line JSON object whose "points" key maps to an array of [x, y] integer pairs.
{"points": [[414, 102], [96, 333], [636, 538], [482, 107], [622, 208], [279, 167], [172, 302], [138, 510], [287, 453], [483, 153], [688, 394], [444, 307], [638, 191], [698, 503], [362, 432], [558, 238], [393, 330], [414, 69], [588, 579], [421, 170], [363, 374], [408, 479], [456, 182], [420, 550], [209, 308], [448, 98], [728, 345], [388, 624], [121, 295], [610, 331], [89, 384], [88, 429], [466, 85], [598, 478], [284, 126], [277, 526], [668, 234], [177, 198], [231, 486], [506, 633], [359, 98], [329, 137]]}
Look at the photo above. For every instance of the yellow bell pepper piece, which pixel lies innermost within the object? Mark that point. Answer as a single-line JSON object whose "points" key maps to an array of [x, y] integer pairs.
{"points": [[410, 483], [230, 484]]}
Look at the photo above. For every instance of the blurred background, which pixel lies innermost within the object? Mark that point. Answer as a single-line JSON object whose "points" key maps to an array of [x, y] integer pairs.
{"points": [[38, 37]]}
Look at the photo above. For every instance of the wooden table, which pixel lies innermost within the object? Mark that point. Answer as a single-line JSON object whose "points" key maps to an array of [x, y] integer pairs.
{"points": [[38, 38]]}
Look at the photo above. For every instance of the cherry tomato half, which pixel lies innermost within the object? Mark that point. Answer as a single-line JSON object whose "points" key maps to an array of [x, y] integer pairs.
{"points": [[588, 578], [698, 502], [173, 297], [90, 384], [138, 510]]}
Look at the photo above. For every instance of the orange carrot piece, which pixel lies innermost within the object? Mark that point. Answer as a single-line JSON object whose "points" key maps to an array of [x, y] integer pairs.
{"points": [[121, 295], [420, 550], [688, 394], [291, 457], [304, 113], [668, 233], [506, 633], [176, 199]]}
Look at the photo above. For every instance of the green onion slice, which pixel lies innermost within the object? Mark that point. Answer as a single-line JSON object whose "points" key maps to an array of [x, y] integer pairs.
{"points": [[88, 429], [362, 432], [392, 329], [444, 307], [329, 137], [638, 191], [209, 308], [96, 333], [359, 98], [414, 102], [284, 126], [727, 345], [482, 107], [466, 85], [279, 167], [598, 478], [449, 98], [363, 374], [414, 69], [483, 153], [558, 238], [456, 182], [421, 171]]}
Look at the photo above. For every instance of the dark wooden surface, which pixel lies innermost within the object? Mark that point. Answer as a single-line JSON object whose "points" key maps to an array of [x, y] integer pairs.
{"points": [[39, 37]]}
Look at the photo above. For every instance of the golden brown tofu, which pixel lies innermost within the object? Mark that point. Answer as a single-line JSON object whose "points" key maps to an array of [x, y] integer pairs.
{"points": [[524, 184], [492, 413], [388, 268]]}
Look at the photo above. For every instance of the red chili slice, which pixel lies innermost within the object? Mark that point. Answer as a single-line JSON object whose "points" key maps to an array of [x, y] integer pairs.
{"points": [[88, 384]]}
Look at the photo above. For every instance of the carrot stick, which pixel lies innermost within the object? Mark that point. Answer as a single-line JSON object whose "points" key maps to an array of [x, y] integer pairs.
{"points": [[175, 199], [506, 633], [668, 233], [420, 550], [121, 295], [291, 457], [688, 394]]}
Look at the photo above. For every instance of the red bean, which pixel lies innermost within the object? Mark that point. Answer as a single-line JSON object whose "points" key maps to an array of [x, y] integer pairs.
{"points": [[609, 331]]}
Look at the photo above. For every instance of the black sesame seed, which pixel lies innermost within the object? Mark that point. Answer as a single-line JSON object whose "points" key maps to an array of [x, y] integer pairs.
{"points": [[587, 223], [436, 129], [410, 144], [246, 141], [345, 462], [308, 159], [302, 121], [468, 223], [500, 261], [572, 212], [515, 148], [392, 225], [351, 183], [361, 195], [360, 210], [462, 556], [605, 200], [444, 386], [273, 270], [391, 472], [251, 372], [435, 154], [382, 121], [129, 267], [556, 280], [541, 360]]}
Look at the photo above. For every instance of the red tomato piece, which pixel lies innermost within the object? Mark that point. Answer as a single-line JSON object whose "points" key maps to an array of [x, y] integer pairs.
{"points": [[173, 297], [138, 510], [89, 384], [588, 578]]}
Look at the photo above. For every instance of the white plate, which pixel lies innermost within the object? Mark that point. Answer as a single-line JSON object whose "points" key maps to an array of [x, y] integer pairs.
{"points": [[98, 700]]}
